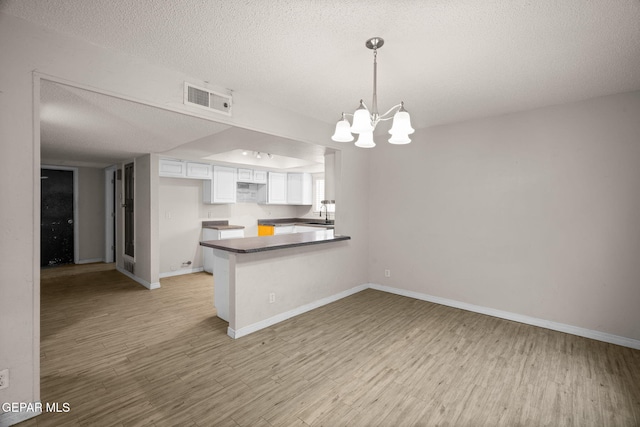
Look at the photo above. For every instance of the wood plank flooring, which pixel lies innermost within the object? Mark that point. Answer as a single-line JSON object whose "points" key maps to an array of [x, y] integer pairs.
{"points": [[121, 355]]}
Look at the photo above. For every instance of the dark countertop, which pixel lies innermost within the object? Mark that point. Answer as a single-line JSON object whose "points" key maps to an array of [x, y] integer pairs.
{"points": [[221, 225], [269, 243], [296, 221]]}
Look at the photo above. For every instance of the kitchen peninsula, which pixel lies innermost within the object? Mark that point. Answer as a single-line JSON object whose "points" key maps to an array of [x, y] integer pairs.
{"points": [[260, 281]]}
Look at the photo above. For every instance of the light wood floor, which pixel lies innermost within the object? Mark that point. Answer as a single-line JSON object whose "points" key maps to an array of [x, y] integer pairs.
{"points": [[121, 355]]}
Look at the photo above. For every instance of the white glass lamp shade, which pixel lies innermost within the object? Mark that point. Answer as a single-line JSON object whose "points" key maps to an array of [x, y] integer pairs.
{"points": [[365, 140], [401, 124], [343, 131], [361, 120], [399, 139]]}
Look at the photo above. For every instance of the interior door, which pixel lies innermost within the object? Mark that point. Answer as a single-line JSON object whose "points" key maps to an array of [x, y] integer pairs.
{"points": [[56, 217]]}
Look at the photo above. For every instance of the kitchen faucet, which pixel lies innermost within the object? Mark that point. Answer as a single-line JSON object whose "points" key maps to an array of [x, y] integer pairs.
{"points": [[326, 212]]}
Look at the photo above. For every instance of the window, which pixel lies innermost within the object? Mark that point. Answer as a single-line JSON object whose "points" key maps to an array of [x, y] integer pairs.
{"points": [[319, 197]]}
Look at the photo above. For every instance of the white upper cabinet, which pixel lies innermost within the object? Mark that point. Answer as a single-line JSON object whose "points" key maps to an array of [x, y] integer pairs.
{"points": [[222, 187], [245, 175], [198, 170], [180, 169], [260, 177], [172, 168], [252, 176], [277, 188], [299, 189]]}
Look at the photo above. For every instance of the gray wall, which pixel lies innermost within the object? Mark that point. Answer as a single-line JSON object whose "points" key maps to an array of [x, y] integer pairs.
{"points": [[534, 213], [91, 214]]}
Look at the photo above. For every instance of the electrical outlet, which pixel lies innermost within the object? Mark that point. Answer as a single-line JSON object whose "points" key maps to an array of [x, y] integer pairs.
{"points": [[387, 273], [272, 298], [4, 379]]}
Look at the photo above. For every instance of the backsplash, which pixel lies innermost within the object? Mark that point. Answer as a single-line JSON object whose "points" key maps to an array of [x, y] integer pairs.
{"points": [[247, 193]]}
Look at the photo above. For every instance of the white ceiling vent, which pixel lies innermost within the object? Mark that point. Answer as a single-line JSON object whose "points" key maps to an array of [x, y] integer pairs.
{"points": [[207, 99]]}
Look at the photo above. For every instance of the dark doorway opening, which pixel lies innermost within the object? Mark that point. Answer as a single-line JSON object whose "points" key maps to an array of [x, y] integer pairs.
{"points": [[128, 210], [113, 216], [56, 217]]}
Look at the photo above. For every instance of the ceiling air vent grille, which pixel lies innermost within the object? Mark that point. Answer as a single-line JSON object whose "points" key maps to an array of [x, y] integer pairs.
{"points": [[207, 99]]}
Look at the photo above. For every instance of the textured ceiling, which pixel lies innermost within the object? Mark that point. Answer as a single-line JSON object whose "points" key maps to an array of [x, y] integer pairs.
{"points": [[449, 60]]}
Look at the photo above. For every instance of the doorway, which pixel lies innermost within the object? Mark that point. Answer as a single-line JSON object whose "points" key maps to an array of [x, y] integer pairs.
{"points": [[58, 216], [110, 178], [129, 235]]}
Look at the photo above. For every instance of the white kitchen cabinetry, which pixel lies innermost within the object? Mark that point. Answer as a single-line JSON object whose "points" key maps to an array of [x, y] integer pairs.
{"points": [[284, 229], [198, 170], [299, 189], [172, 168], [245, 175], [252, 176], [275, 192], [260, 177], [180, 169], [212, 234], [222, 187]]}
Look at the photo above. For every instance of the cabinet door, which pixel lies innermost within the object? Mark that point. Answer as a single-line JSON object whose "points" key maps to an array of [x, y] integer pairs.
{"points": [[222, 187], [299, 189], [172, 168], [260, 177], [284, 229], [245, 175], [307, 189], [224, 184], [232, 234], [198, 170], [277, 191]]}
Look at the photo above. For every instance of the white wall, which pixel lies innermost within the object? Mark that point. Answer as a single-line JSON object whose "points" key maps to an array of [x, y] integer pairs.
{"points": [[534, 213], [180, 223], [181, 214], [19, 212]]}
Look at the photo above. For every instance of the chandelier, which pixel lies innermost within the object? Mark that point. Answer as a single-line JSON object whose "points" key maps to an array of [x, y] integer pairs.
{"points": [[364, 122]]}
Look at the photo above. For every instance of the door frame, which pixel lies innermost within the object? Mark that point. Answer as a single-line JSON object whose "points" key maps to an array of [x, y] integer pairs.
{"points": [[110, 225], [76, 228]]}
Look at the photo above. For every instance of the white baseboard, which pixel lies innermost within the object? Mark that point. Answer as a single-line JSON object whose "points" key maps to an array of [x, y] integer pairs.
{"points": [[181, 272], [143, 282], [11, 418], [561, 327], [292, 313], [90, 260]]}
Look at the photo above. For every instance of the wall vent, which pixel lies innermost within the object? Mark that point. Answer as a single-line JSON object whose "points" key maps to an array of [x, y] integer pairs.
{"points": [[207, 99], [129, 266]]}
